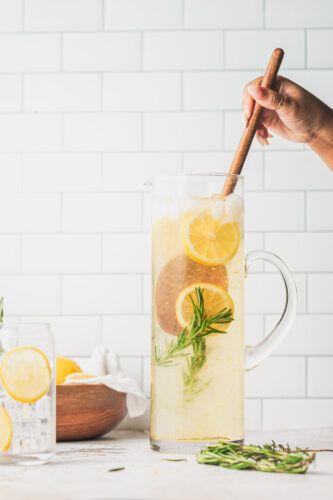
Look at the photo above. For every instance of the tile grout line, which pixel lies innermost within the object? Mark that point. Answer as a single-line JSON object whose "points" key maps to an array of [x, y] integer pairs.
{"points": [[92, 32], [171, 70]]}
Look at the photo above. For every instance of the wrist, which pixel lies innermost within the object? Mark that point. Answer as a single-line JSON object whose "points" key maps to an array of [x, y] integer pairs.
{"points": [[322, 140], [323, 135]]}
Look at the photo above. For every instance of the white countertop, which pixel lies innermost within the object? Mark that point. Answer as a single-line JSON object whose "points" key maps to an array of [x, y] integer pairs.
{"points": [[80, 472]]}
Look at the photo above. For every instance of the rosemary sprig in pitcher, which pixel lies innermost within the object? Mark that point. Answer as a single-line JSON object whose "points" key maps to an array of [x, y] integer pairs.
{"points": [[194, 337]]}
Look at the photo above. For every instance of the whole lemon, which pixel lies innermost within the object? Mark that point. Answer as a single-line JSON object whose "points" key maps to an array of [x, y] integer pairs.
{"points": [[64, 367]]}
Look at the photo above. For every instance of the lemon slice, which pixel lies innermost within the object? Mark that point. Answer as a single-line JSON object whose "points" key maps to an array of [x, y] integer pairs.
{"points": [[215, 299], [6, 430], [25, 374], [208, 241], [79, 376]]}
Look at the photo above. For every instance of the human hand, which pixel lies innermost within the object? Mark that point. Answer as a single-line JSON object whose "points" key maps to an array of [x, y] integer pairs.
{"points": [[290, 111]]}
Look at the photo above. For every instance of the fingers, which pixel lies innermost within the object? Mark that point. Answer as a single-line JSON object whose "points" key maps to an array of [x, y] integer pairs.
{"points": [[254, 92], [269, 99], [248, 105], [248, 101], [262, 135], [268, 118], [261, 140]]}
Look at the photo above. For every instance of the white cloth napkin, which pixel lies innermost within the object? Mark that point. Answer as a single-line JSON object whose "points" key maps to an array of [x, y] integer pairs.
{"points": [[105, 366]]}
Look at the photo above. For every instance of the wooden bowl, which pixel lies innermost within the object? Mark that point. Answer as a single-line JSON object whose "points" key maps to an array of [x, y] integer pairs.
{"points": [[88, 411]]}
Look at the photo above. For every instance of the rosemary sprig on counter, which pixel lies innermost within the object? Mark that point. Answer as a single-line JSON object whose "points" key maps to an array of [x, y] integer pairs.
{"points": [[266, 458], [116, 469], [194, 336]]}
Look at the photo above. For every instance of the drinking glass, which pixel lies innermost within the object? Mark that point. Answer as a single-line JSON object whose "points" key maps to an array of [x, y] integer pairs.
{"points": [[198, 352], [27, 394]]}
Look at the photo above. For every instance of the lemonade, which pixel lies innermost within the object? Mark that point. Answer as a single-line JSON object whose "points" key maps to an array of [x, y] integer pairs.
{"points": [[197, 362], [27, 394]]}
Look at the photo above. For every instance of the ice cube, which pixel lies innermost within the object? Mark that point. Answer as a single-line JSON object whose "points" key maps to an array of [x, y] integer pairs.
{"points": [[218, 209], [234, 206]]}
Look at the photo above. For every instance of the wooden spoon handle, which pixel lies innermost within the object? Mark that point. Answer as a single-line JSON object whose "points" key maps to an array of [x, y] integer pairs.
{"points": [[251, 127]]}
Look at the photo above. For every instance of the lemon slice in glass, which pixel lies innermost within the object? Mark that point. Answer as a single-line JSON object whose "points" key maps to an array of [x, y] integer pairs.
{"points": [[25, 374], [208, 241], [6, 430], [215, 299]]}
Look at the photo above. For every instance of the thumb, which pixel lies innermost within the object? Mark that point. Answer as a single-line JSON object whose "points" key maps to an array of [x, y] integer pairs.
{"points": [[268, 98]]}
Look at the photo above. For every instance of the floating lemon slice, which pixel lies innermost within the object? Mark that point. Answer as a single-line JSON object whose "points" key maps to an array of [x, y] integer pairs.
{"points": [[215, 299], [208, 241], [25, 374], [6, 430], [79, 376]]}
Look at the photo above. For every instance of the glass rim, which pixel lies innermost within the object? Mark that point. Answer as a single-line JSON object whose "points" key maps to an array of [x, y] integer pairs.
{"points": [[182, 176]]}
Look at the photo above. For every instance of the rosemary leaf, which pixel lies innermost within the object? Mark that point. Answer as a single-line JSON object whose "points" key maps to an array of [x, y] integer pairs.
{"points": [[116, 469], [174, 459]]}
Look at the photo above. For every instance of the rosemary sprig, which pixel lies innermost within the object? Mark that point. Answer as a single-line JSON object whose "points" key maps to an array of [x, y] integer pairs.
{"points": [[194, 336], [266, 458]]}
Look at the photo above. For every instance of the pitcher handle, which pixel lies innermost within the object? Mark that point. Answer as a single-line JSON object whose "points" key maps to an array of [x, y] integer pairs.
{"points": [[254, 355]]}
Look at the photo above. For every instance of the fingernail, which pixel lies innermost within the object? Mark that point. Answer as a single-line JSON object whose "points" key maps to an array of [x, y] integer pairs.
{"points": [[256, 92]]}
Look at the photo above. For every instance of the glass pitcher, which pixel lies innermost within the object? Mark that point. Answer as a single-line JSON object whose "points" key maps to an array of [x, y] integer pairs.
{"points": [[198, 352]]}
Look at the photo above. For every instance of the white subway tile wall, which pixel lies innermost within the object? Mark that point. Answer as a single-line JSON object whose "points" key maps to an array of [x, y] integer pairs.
{"points": [[97, 96]]}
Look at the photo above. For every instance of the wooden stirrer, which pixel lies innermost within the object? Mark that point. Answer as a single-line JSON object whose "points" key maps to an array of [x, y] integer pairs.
{"points": [[251, 127]]}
